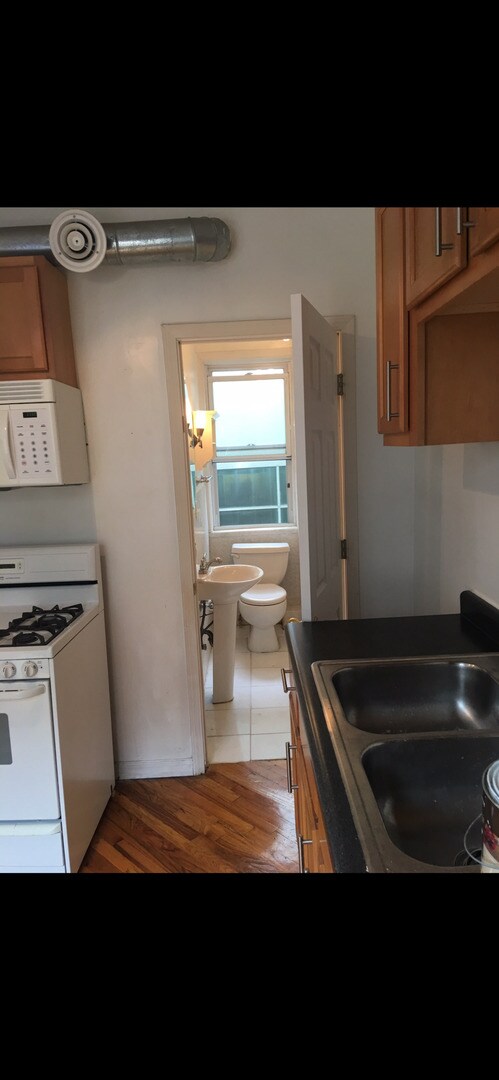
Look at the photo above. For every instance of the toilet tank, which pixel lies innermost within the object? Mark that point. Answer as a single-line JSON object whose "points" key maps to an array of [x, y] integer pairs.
{"points": [[271, 558]]}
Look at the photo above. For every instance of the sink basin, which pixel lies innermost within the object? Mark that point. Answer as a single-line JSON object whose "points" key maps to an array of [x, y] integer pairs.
{"points": [[428, 793], [224, 584], [405, 698], [413, 737]]}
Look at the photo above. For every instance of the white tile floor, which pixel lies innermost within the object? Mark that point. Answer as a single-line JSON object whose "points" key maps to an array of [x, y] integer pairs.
{"points": [[255, 725]]}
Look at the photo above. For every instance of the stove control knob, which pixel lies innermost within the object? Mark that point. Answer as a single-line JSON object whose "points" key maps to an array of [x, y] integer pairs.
{"points": [[30, 669], [9, 670]]}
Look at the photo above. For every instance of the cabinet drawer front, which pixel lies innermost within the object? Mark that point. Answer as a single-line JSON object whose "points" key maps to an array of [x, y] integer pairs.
{"points": [[20, 851]]}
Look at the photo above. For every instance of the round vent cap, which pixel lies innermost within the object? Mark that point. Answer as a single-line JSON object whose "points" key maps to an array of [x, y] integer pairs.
{"points": [[77, 240]]}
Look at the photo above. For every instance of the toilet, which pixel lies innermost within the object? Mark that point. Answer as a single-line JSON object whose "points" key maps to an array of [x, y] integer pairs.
{"points": [[264, 605]]}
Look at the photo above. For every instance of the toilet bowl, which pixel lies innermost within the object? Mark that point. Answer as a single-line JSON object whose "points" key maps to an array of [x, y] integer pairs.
{"points": [[264, 605]]}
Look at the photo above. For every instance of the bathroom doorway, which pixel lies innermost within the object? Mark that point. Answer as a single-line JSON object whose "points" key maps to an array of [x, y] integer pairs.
{"points": [[191, 352]]}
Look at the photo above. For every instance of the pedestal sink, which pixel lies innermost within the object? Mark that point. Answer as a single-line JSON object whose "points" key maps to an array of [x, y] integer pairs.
{"points": [[223, 585]]}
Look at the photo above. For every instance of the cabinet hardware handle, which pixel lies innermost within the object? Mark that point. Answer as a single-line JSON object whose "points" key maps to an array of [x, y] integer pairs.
{"points": [[301, 864], [284, 672], [439, 247], [5, 447], [291, 787], [389, 368], [460, 224]]}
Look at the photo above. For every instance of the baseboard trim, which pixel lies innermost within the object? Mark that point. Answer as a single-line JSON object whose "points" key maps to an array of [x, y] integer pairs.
{"points": [[151, 770]]}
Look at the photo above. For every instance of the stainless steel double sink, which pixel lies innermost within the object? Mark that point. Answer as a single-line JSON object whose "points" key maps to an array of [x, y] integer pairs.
{"points": [[413, 737]]}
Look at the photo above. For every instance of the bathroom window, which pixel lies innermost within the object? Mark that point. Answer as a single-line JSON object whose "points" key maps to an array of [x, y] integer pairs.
{"points": [[252, 444]]}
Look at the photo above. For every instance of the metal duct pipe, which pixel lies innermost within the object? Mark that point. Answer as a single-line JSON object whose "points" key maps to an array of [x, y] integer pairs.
{"points": [[26, 240], [179, 240], [183, 240]]}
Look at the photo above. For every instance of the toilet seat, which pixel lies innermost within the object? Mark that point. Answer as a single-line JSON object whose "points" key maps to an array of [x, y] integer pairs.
{"points": [[264, 595]]}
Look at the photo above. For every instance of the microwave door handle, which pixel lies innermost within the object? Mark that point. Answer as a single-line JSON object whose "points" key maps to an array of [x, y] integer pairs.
{"points": [[5, 444], [22, 695]]}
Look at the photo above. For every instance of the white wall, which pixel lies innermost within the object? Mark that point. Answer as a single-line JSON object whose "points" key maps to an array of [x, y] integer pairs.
{"points": [[457, 523], [327, 253]]}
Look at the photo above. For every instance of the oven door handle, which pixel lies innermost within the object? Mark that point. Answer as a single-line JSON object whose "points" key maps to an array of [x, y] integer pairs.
{"points": [[22, 695]]}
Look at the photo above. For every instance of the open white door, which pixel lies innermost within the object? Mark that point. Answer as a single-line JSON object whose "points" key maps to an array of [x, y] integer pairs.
{"points": [[317, 461]]}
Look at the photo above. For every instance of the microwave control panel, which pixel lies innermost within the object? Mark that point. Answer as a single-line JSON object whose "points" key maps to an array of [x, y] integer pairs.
{"points": [[32, 436]]}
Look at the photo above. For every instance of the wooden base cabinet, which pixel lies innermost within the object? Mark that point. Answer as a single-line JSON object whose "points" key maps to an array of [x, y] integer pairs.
{"points": [[314, 856], [36, 340]]}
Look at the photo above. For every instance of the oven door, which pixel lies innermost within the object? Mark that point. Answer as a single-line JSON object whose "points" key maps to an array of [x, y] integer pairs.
{"points": [[28, 772]]}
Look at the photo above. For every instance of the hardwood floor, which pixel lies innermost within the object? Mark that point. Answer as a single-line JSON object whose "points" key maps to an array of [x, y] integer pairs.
{"points": [[235, 819]]}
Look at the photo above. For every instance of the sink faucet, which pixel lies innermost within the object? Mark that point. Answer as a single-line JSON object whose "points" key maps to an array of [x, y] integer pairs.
{"points": [[205, 566]]}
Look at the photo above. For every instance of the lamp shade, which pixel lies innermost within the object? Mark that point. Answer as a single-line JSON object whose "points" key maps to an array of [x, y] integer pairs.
{"points": [[199, 419]]}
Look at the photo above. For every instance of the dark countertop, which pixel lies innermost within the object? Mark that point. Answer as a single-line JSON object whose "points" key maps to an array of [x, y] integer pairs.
{"points": [[471, 632]]}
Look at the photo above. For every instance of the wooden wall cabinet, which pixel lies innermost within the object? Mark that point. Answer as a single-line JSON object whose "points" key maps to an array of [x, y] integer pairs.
{"points": [[36, 340], [437, 325], [392, 321], [483, 225], [313, 850], [435, 248]]}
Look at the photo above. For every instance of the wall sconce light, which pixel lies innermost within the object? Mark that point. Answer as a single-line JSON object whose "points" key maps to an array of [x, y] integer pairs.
{"points": [[198, 423]]}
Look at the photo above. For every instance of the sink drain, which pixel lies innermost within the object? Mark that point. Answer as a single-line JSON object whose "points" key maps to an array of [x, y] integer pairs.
{"points": [[468, 858], [471, 854]]}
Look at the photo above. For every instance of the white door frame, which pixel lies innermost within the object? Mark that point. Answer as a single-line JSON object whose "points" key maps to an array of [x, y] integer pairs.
{"points": [[174, 336]]}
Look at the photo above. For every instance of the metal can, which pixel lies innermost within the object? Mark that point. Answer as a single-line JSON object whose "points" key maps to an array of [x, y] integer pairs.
{"points": [[490, 814]]}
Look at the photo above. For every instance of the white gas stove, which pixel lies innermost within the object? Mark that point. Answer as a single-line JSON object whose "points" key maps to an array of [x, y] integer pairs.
{"points": [[56, 755]]}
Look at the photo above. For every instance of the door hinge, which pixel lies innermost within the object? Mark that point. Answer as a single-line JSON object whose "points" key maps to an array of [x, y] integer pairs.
{"points": [[340, 385], [343, 549]]}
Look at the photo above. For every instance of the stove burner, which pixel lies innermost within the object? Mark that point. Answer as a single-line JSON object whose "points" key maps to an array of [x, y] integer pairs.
{"points": [[73, 610], [12, 625], [50, 622], [27, 637]]}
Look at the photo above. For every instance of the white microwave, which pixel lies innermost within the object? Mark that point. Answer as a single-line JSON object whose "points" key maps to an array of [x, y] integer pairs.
{"points": [[42, 434]]}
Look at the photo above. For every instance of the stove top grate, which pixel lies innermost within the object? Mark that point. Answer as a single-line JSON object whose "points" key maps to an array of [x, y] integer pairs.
{"points": [[39, 626]]}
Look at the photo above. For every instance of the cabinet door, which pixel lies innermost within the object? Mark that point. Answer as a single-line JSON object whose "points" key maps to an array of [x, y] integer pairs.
{"points": [[485, 228], [305, 833], [297, 779], [392, 338], [317, 856], [293, 752], [304, 822], [22, 340], [320, 858], [434, 250], [313, 849]]}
